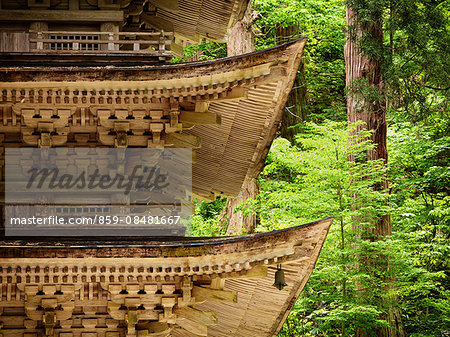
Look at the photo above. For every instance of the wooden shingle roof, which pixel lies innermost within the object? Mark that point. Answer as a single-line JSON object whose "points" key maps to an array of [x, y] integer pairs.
{"points": [[196, 19]]}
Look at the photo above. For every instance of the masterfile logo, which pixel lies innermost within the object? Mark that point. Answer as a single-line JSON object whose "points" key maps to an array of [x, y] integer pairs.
{"points": [[59, 188], [54, 179]]}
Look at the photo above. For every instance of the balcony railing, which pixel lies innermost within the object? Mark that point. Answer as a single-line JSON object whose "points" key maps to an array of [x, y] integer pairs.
{"points": [[68, 42]]}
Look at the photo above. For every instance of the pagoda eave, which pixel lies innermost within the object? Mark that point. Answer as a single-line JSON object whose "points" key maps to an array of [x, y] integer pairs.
{"points": [[228, 279], [227, 110]]}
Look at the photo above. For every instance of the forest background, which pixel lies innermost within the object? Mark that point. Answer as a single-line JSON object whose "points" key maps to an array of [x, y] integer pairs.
{"points": [[308, 174]]}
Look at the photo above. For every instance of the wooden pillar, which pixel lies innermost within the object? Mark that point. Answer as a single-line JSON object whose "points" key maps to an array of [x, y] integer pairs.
{"points": [[112, 28], [37, 26]]}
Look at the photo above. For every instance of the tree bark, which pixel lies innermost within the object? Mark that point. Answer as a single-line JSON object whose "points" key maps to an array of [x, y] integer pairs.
{"points": [[364, 70], [241, 37], [241, 41], [237, 222], [367, 71]]}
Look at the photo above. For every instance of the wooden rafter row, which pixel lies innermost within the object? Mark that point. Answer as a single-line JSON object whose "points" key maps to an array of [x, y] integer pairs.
{"points": [[199, 287]]}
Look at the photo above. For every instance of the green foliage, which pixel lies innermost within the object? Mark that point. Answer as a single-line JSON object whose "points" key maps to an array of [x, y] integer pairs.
{"points": [[312, 178], [414, 54], [205, 221], [323, 22], [206, 50], [420, 161]]}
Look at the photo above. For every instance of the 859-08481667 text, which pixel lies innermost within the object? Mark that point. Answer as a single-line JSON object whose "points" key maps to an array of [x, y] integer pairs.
{"points": [[97, 220]]}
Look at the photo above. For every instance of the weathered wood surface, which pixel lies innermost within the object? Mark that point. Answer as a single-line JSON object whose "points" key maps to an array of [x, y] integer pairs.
{"points": [[18, 15], [199, 287], [193, 20], [246, 94], [14, 42], [155, 47]]}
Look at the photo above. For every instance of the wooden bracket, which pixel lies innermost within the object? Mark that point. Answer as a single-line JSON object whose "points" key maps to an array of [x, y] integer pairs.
{"points": [[121, 140], [168, 316], [57, 306], [49, 323], [186, 289], [121, 129], [45, 141], [174, 112], [131, 318], [156, 129]]}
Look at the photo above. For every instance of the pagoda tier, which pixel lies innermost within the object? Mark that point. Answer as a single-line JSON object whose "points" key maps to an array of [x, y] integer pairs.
{"points": [[140, 287], [227, 109], [92, 26], [96, 74]]}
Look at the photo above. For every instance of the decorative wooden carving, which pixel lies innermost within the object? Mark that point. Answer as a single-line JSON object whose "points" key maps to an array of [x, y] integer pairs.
{"points": [[146, 309], [49, 305], [116, 117]]}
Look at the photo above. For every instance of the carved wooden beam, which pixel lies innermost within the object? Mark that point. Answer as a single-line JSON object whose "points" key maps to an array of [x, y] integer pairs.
{"points": [[183, 141], [195, 321]]}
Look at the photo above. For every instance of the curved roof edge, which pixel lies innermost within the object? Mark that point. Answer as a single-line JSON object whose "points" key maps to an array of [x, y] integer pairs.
{"points": [[145, 242], [27, 62]]}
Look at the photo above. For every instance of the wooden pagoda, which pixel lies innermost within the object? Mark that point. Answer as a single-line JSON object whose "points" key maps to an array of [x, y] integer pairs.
{"points": [[97, 73]]}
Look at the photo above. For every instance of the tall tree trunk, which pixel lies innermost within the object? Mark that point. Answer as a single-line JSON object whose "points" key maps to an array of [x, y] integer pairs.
{"points": [[237, 222], [241, 37], [295, 111], [364, 72], [241, 41]]}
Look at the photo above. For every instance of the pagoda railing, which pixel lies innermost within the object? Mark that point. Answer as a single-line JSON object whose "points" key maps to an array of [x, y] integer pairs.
{"points": [[72, 42]]}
